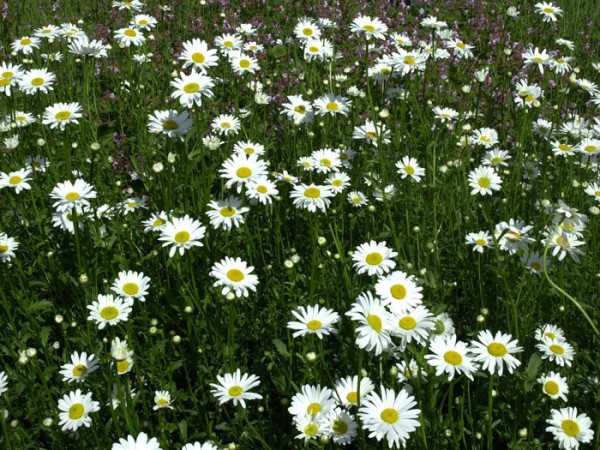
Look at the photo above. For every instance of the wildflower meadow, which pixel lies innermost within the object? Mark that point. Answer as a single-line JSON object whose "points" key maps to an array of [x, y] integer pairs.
{"points": [[257, 224]]}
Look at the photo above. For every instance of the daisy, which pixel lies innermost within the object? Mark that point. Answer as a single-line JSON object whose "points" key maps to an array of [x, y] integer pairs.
{"points": [[75, 409], [318, 49], [326, 160], [249, 148], [129, 36], [306, 29], [62, 114], [141, 442], [26, 44], [443, 325], [488, 137], [65, 220], [375, 258], [199, 446], [17, 180], [312, 427], [461, 50], [589, 146], [413, 325], [357, 199], [35, 80], [513, 236], [312, 400], [406, 62], [182, 234], [569, 428], [480, 241], [241, 169], [190, 89], [131, 285], [338, 182], [548, 11], [375, 133], [371, 27], [116, 400], [236, 387], [134, 5], [228, 42], [484, 180], [132, 204], [70, 195], [409, 167], [554, 385], [495, 352], [347, 390], [170, 122], [343, 426], [375, 323], [227, 213], [556, 350], [331, 104], [3, 383], [81, 366], [262, 190], [398, 291], [561, 65], [409, 371], [401, 40], [496, 158], [563, 243], [297, 109], [389, 415], [433, 22], [47, 31], [314, 320], [451, 357], [82, 46], [144, 22], [242, 64], [71, 31], [162, 399], [445, 114], [235, 276], [10, 75], [226, 124], [312, 197], [109, 310], [593, 190], [536, 57], [197, 54]]}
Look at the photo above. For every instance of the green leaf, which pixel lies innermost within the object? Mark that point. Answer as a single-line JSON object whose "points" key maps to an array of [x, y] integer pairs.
{"points": [[281, 348]]}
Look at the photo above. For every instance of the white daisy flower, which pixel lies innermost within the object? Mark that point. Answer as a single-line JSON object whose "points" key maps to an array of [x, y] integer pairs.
{"points": [[235, 276], [236, 387]]}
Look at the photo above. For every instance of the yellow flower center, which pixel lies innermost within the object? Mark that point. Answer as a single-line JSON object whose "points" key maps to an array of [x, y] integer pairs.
{"points": [[590, 148], [225, 125], [182, 237], [300, 109], [312, 193], [564, 147], [314, 325], [15, 180], [560, 61], [407, 323], [557, 349], [25, 41], [452, 357], [529, 98], [551, 387], [227, 211], [76, 411], [496, 160], [262, 189], [235, 275], [484, 182], [549, 10], [244, 63], [234, 391], [374, 259], [409, 170], [313, 409], [389, 415], [460, 45], [375, 322], [109, 312], [307, 32], [63, 115], [7, 74], [409, 60], [550, 335], [131, 288], [72, 196], [369, 28], [143, 22], [37, 81], [4, 82], [122, 366], [311, 430], [3, 248], [79, 370], [371, 134], [190, 88], [228, 44], [570, 427], [536, 266], [130, 33], [352, 397], [198, 58], [243, 172], [332, 106], [158, 223], [497, 349], [325, 162], [313, 49], [337, 183], [481, 242], [340, 427], [398, 291], [170, 125]]}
